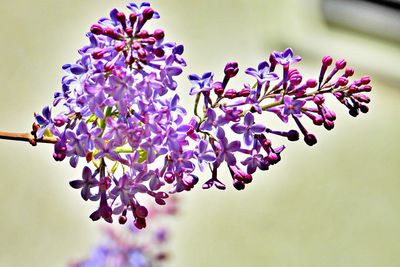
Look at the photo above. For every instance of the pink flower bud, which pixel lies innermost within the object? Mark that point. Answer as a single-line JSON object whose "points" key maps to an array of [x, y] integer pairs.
{"points": [[159, 52], [148, 13], [340, 64], [96, 29], [159, 34], [244, 92], [342, 81], [319, 99], [132, 18], [327, 61], [349, 72], [311, 83], [230, 94], [365, 80]]}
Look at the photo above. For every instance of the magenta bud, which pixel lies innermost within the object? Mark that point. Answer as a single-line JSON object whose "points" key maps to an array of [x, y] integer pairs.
{"points": [[365, 80], [189, 182], [122, 219], [140, 223], [340, 64], [143, 34], [239, 185], [109, 66], [273, 158], [159, 52], [150, 40], [311, 83], [327, 61], [245, 92], [367, 88], [218, 88], [112, 34], [319, 99], [159, 34], [230, 94], [231, 69], [342, 81], [353, 112], [169, 177], [59, 121], [364, 108], [148, 13], [318, 120], [296, 79], [293, 135], [96, 29], [136, 45], [339, 95], [363, 98], [247, 178], [129, 31], [330, 115], [141, 212], [310, 139], [142, 53], [59, 156], [329, 125], [120, 46], [121, 19], [132, 18], [349, 72], [98, 53], [266, 143]]}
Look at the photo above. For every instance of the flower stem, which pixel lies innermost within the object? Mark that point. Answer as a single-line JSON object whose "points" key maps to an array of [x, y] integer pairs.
{"points": [[27, 137]]}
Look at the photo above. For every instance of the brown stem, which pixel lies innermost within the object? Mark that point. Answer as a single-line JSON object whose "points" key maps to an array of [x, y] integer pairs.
{"points": [[27, 137]]}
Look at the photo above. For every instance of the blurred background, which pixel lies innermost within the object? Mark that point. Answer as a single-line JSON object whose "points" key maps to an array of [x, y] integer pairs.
{"points": [[335, 204]]}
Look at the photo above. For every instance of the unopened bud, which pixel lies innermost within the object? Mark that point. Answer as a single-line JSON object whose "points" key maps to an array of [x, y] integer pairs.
{"points": [[327, 61], [340, 64], [96, 29], [310, 139], [230, 94], [231, 69], [159, 34]]}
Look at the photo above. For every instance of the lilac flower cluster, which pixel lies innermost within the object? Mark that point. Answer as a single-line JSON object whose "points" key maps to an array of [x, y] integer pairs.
{"points": [[130, 247], [120, 113], [285, 95]]}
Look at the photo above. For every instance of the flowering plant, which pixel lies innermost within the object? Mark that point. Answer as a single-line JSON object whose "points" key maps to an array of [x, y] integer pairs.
{"points": [[118, 111]]}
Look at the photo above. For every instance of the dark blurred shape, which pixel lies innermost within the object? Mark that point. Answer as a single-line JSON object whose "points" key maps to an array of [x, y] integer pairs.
{"points": [[379, 18]]}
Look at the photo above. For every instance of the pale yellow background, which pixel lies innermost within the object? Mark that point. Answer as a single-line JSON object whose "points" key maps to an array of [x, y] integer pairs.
{"points": [[335, 204]]}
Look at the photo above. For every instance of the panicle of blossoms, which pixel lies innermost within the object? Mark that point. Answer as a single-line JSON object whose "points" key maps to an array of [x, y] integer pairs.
{"points": [[121, 117], [283, 93], [129, 247]]}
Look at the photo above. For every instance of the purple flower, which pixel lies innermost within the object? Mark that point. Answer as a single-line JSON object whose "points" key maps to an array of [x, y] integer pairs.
{"points": [[201, 84], [204, 155], [255, 160], [263, 74], [211, 124], [181, 161], [225, 149], [46, 122], [106, 149], [292, 106], [286, 57], [88, 181], [249, 128], [167, 75]]}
